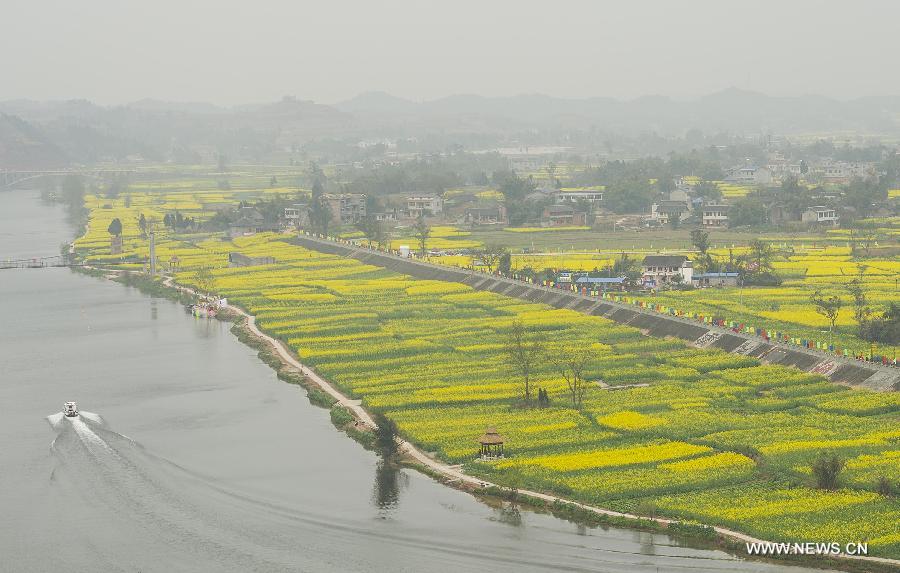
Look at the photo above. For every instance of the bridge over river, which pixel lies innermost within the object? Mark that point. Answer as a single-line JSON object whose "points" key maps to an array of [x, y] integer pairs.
{"points": [[39, 262]]}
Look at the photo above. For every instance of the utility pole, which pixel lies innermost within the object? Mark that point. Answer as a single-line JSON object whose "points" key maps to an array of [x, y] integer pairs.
{"points": [[152, 252]]}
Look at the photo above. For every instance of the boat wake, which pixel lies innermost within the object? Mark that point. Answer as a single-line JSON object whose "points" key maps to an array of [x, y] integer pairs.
{"points": [[132, 510]]}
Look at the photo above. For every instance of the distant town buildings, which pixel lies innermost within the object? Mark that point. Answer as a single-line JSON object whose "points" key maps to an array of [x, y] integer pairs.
{"points": [[842, 172], [750, 174]]}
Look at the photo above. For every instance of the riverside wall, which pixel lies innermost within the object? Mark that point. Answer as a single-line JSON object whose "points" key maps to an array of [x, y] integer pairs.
{"points": [[835, 368]]}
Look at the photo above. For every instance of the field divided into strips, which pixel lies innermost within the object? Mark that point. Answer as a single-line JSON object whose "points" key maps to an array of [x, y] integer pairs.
{"points": [[699, 434], [787, 308]]}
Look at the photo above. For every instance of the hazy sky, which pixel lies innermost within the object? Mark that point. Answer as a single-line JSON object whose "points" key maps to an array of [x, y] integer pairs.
{"points": [[227, 52]]}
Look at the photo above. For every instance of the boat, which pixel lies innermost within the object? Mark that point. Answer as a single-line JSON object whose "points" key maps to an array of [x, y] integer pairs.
{"points": [[70, 409]]}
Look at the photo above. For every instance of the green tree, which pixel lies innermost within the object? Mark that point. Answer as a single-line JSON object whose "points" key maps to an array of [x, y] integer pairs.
{"points": [[700, 241], [142, 225], [385, 435], [709, 192], [504, 265], [73, 190], [115, 227], [372, 229], [748, 211], [863, 195], [856, 288], [827, 470], [320, 213]]}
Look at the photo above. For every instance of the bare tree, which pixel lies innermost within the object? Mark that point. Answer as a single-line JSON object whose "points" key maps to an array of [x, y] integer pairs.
{"points": [[829, 307], [524, 352], [855, 287], [204, 279], [491, 254], [422, 232], [571, 365]]}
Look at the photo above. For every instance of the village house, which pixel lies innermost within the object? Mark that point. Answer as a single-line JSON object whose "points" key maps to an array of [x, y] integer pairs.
{"points": [[715, 215], [820, 215], [658, 271], [424, 205], [591, 195], [386, 216], [563, 216], [297, 215], [602, 283], [667, 210], [843, 172], [492, 215], [249, 222], [346, 208], [750, 174], [704, 280]]}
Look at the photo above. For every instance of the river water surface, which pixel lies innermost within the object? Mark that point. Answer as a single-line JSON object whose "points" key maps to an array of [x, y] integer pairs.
{"points": [[204, 461]]}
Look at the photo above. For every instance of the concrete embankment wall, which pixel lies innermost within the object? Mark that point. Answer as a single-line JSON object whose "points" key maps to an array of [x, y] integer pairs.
{"points": [[650, 323]]}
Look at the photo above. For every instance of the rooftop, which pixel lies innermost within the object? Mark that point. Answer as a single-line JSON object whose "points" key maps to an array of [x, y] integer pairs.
{"points": [[664, 260]]}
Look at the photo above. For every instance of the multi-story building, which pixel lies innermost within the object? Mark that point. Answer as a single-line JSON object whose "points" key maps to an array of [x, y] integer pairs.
{"points": [[842, 172], [660, 270], [715, 215], [668, 210], [424, 205], [820, 215], [297, 215], [346, 208]]}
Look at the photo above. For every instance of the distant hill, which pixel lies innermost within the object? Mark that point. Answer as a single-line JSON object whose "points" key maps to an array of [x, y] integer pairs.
{"points": [[79, 131], [730, 110], [23, 146]]}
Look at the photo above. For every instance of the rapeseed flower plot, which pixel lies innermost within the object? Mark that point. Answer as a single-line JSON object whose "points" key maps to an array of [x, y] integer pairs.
{"points": [[703, 434]]}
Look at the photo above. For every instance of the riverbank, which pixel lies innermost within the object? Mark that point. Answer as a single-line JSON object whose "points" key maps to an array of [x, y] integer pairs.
{"points": [[286, 363]]}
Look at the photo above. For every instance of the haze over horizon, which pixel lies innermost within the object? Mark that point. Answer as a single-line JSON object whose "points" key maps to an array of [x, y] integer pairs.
{"points": [[115, 53]]}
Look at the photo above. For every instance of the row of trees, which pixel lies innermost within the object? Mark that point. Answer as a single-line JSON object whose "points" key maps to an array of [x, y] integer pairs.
{"points": [[524, 353], [871, 327]]}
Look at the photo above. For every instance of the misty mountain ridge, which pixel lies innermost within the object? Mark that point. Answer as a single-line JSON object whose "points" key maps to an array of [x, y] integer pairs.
{"points": [[51, 133]]}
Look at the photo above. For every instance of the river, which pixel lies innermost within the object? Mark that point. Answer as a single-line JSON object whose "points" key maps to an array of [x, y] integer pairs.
{"points": [[204, 461]]}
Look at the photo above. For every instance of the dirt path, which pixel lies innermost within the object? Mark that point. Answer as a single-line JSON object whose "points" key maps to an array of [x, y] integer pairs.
{"points": [[453, 474]]}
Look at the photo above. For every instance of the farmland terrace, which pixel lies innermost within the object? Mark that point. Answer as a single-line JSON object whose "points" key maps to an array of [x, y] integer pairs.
{"points": [[836, 369]]}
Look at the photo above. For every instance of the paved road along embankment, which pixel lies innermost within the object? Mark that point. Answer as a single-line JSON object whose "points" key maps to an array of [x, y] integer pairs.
{"points": [[837, 369]]}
